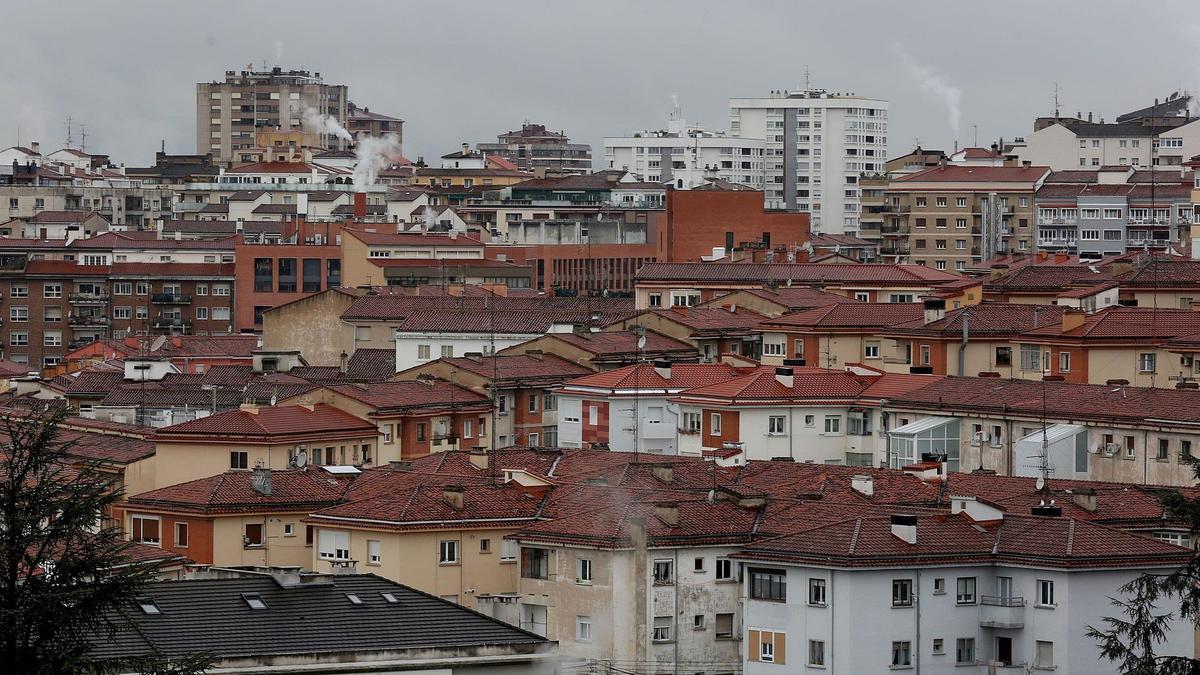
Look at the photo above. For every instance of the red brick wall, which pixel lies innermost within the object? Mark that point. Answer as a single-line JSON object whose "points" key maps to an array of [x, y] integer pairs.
{"points": [[200, 535], [581, 268], [248, 298], [598, 432], [730, 433], [696, 221]]}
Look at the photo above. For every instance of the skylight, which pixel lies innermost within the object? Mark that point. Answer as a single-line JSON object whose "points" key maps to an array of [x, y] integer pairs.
{"points": [[148, 606], [354, 599], [254, 600], [390, 598]]}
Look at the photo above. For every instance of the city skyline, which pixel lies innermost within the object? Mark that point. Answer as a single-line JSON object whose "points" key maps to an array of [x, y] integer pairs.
{"points": [[605, 87]]}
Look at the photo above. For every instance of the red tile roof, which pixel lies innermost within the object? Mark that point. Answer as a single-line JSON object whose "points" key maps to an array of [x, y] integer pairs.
{"points": [[412, 395], [393, 307], [426, 507], [300, 490], [987, 319], [405, 239], [371, 365], [763, 387], [1162, 273], [845, 316], [269, 424], [645, 376], [710, 320], [792, 297], [867, 541], [616, 343], [1045, 278], [272, 167], [983, 174], [1124, 324], [523, 368]]}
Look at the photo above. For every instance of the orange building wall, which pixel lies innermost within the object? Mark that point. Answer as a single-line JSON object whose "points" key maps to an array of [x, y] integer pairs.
{"points": [[246, 298], [730, 431]]}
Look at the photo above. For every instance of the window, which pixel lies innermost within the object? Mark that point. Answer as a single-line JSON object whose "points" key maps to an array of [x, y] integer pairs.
{"points": [[901, 592], [239, 459], [52, 338], [22, 291], [1044, 656], [714, 421], [143, 288], [535, 563], [264, 276], [145, 530], [966, 591], [311, 275], [775, 345], [724, 626], [508, 550], [201, 289], [485, 545], [655, 300], [287, 275], [926, 355], [871, 350], [691, 422], [1089, 235], [816, 592], [663, 571], [816, 652], [220, 289], [253, 534], [422, 352], [1185, 449], [254, 601], [767, 584], [1146, 362], [901, 653], [833, 424], [939, 646], [724, 569], [1164, 449], [1064, 361], [1004, 356], [374, 552], [960, 202], [122, 312], [1031, 357], [289, 530], [662, 629], [18, 338], [220, 313], [964, 651], [583, 628], [775, 425], [941, 201], [51, 290], [1045, 593], [18, 314], [448, 552]]}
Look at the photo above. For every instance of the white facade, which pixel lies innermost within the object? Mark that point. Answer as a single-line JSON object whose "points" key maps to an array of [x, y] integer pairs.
{"points": [[816, 434], [416, 348], [1064, 149], [816, 144], [695, 154], [859, 605], [656, 421]]}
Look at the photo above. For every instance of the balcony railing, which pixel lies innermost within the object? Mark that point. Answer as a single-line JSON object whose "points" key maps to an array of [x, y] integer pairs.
{"points": [[1070, 222], [88, 298], [170, 322], [88, 320], [171, 299], [1005, 612]]}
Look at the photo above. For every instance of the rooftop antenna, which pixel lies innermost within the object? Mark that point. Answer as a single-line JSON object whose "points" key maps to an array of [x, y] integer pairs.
{"points": [[83, 134], [975, 143], [1056, 99], [807, 78], [70, 138]]}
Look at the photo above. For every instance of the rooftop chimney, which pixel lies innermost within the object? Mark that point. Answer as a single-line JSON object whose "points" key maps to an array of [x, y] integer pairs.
{"points": [[479, 458], [904, 527], [664, 473], [1086, 499], [453, 494], [1046, 511], [663, 368], [360, 206], [36, 147], [261, 481], [863, 484], [935, 310], [1072, 318], [785, 376]]}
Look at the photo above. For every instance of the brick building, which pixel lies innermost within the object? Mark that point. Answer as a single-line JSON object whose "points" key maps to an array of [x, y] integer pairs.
{"points": [[695, 222]]}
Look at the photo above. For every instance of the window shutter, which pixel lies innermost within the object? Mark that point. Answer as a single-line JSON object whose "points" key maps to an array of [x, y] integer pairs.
{"points": [[780, 647], [753, 645]]}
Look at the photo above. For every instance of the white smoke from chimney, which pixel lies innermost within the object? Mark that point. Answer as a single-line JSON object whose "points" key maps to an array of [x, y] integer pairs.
{"points": [[372, 154], [315, 123], [278, 45], [936, 86], [429, 219]]}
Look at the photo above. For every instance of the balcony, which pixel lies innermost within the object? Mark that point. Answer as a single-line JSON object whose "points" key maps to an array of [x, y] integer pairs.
{"points": [[163, 322], [1065, 222], [1001, 612], [171, 299], [88, 298], [894, 229], [447, 442], [893, 250], [86, 321], [897, 208], [81, 342]]}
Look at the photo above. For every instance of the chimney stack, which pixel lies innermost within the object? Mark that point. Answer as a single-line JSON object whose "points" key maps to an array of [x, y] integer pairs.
{"points": [[453, 494], [863, 484], [1086, 499], [663, 368], [663, 472], [36, 147], [360, 206], [785, 376], [904, 527], [479, 458], [668, 512], [1072, 318], [261, 481], [935, 310]]}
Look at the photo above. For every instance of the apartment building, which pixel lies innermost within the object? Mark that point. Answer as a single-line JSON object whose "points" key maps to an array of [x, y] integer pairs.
{"points": [[120, 202], [817, 145], [533, 147], [229, 113], [1010, 590], [268, 275], [686, 155], [714, 331], [1113, 210], [362, 120], [1164, 134], [952, 216]]}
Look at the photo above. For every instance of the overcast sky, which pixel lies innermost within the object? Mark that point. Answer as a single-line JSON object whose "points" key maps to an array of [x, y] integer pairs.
{"points": [[466, 71]]}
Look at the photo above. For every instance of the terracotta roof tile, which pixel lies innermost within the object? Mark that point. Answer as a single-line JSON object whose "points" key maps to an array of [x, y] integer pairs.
{"points": [[849, 316], [867, 274], [269, 423]]}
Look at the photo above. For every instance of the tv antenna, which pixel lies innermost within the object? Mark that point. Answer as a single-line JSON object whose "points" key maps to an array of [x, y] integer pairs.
{"points": [[1056, 99], [70, 138]]}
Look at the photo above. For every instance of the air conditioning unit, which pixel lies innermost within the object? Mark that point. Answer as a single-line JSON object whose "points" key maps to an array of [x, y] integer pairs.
{"points": [[981, 437], [1112, 448]]}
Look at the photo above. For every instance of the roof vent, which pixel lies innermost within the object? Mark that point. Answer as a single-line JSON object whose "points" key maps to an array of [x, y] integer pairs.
{"points": [[785, 376], [904, 527], [663, 368], [1046, 510]]}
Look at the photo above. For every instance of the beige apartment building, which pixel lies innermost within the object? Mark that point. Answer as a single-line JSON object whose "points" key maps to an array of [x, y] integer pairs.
{"points": [[952, 216], [229, 113]]}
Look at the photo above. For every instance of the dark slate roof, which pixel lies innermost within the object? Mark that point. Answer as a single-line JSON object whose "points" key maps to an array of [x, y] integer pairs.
{"points": [[212, 616], [371, 365]]}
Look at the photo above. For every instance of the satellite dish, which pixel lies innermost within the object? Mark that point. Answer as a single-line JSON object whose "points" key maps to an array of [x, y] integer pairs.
{"points": [[1041, 482], [301, 458], [158, 343], [641, 343]]}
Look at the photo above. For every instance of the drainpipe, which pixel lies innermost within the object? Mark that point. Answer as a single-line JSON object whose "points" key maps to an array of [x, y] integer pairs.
{"points": [[962, 348], [917, 602], [675, 611]]}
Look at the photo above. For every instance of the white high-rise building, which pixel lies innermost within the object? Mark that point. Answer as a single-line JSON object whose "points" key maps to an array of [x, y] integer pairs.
{"points": [[692, 153], [817, 146]]}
